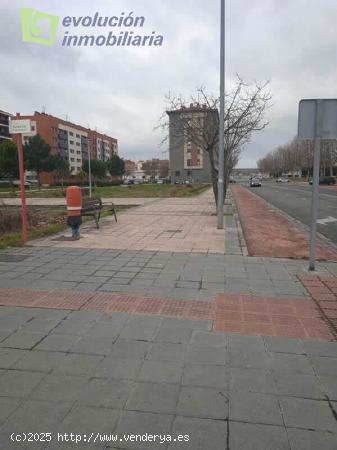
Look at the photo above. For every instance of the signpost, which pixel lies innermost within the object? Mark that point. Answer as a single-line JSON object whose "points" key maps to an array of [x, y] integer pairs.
{"points": [[317, 120], [221, 163], [17, 127]]}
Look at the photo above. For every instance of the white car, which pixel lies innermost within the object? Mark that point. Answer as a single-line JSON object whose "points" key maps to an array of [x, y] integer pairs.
{"points": [[282, 180]]}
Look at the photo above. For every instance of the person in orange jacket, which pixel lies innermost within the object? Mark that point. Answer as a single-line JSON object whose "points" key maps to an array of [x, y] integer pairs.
{"points": [[74, 207]]}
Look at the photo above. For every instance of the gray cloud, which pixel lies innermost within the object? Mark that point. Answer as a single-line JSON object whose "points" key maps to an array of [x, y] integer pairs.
{"points": [[121, 91]]}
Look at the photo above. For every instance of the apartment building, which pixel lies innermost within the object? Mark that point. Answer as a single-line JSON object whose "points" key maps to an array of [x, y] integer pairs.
{"points": [[188, 162], [4, 126], [73, 142]]}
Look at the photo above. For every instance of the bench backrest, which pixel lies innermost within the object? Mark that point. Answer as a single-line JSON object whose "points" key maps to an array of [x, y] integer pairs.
{"points": [[91, 203]]}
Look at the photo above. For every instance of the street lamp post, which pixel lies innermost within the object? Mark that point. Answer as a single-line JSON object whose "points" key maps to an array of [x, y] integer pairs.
{"points": [[89, 168], [221, 159]]}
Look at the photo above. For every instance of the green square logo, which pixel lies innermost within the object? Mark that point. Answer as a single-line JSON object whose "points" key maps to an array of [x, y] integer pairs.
{"points": [[31, 26]]}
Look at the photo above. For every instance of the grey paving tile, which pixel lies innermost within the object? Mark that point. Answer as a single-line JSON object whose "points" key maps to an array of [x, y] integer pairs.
{"points": [[17, 383], [8, 406], [39, 361], [92, 345], [187, 323], [57, 342], [329, 386], [132, 422], [324, 365], [311, 440], [130, 349], [203, 403], [174, 335], [201, 354], [78, 365], [87, 419], [165, 351], [316, 348], [283, 345], [205, 376], [23, 340], [105, 393], [298, 385], [290, 363], [252, 380], [140, 328], [249, 436], [36, 415], [124, 369], [200, 337], [161, 372], [307, 414], [153, 397], [201, 433], [59, 388], [255, 408], [8, 356]]}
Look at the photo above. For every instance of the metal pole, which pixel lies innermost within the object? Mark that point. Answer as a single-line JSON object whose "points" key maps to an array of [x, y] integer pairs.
{"points": [[89, 167], [315, 185], [23, 191], [221, 159]]}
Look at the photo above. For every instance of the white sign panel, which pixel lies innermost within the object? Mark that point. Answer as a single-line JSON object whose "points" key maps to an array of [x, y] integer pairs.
{"points": [[17, 126], [307, 119]]}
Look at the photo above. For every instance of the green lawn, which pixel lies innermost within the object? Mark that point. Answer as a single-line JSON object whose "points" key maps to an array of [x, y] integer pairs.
{"points": [[135, 191]]}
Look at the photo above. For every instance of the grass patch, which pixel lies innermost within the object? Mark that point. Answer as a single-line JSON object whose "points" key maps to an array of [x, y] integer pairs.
{"points": [[14, 239], [132, 191]]}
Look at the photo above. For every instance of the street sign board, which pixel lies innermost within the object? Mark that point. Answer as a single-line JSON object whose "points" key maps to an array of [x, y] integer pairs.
{"points": [[18, 126], [307, 119]]}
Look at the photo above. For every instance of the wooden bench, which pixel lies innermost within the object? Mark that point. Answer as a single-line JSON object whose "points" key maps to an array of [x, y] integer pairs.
{"points": [[93, 206]]}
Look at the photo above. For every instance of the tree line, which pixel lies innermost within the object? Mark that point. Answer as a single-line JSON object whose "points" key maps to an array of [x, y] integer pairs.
{"points": [[297, 155], [38, 158]]}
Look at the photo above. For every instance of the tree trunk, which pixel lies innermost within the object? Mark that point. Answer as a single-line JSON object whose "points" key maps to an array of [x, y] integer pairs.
{"points": [[214, 175]]}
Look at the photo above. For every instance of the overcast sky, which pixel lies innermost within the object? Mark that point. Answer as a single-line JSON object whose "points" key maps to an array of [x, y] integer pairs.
{"points": [[121, 90]]}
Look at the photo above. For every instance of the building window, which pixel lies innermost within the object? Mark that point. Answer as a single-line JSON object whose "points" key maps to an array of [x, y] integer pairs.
{"points": [[71, 142], [71, 151], [78, 144], [77, 135], [78, 152], [178, 173], [72, 159], [78, 160], [71, 133], [72, 168], [188, 162]]}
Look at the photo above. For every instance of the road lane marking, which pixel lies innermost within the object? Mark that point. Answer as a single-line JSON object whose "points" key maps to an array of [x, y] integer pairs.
{"points": [[327, 220]]}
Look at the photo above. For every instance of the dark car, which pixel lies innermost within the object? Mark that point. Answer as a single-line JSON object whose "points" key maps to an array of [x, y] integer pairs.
{"points": [[326, 180], [255, 182]]}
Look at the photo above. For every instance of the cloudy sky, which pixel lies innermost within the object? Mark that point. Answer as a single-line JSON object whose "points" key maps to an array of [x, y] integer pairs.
{"points": [[121, 90]]}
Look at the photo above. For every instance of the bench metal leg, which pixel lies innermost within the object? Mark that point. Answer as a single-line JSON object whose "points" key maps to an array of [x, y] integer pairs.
{"points": [[114, 213]]}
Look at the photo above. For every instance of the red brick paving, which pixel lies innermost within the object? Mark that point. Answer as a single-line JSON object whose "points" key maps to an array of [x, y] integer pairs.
{"points": [[324, 293], [275, 235], [232, 313]]}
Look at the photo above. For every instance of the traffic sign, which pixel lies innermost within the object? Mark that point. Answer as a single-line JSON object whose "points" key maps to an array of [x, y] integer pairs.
{"points": [[307, 115], [19, 126]]}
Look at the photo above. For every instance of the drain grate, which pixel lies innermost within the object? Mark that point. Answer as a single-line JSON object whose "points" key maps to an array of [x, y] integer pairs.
{"points": [[12, 258]]}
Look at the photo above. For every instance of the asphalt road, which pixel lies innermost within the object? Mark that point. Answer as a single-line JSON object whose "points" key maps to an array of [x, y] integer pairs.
{"points": [[295, 200]]}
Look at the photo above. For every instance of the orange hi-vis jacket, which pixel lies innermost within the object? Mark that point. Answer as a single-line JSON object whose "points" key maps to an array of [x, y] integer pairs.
{"points": [[74, 201]]}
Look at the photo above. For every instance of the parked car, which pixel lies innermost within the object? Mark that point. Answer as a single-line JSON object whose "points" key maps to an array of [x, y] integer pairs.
{"points": [[325, 180], [282, 180], [255, 182]]}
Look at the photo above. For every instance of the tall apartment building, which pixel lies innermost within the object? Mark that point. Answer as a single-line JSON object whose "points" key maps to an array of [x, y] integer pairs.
{"points": [[73, 142], [4, 126], [188, 162]]}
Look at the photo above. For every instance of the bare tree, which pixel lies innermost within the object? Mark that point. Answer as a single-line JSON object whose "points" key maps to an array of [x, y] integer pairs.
{"points": [[199, 122]]}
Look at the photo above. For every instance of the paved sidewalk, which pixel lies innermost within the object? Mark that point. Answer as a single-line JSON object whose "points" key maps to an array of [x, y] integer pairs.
{"points": [[172, 224], [88, 372], [237, 352]]}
